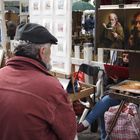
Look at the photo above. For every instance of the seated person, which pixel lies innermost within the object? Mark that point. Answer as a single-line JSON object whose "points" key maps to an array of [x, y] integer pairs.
{"points": [[103, 105], [11, 29]]}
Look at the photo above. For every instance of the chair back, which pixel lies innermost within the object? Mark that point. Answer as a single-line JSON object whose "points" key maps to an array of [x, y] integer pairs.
{"points": [[90, 71]]}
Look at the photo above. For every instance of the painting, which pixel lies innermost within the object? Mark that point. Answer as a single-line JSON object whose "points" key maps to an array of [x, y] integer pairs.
{"points": [[111, 23], [47, 7], [24, 6], [60, 28], [60, 7], [132, 17], [61, 47], [35, 7], [118, 28], [47, 23]]}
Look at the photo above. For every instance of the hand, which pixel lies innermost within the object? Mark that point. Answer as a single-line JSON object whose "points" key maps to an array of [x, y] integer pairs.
{"points": [[130, 40], [104, 25], [114, 78], [115, 34]]}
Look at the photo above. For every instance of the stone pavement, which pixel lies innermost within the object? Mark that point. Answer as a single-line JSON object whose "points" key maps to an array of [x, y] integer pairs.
{"points": [[88, 135]]}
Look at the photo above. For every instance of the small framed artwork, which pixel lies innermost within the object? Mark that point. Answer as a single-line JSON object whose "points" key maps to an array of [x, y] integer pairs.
{"points": [[60, 7], [24, 8], [47, 7], [35, 7], [47, 23], [61, 47], [60, 28]]}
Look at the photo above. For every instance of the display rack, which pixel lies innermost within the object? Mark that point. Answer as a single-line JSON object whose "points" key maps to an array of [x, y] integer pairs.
{"points": [[56, 16]]}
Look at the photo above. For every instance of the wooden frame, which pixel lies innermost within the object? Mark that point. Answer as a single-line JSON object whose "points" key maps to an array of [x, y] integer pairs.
{"points": [[85, 91]]}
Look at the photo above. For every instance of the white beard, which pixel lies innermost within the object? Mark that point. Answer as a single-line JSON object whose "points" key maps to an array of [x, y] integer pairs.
{"points": [[48, 66]]}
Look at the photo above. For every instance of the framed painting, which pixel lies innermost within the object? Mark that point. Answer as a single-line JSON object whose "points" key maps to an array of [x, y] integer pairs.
{"points": [[24, 8], [132, 18], [47, 6], [60, 7], [47, 23], [111, 23], [35, 7], [61, 47], [60, 28]]}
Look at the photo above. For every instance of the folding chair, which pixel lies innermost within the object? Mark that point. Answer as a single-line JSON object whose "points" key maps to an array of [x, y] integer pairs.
{"points": [[94, 73]]}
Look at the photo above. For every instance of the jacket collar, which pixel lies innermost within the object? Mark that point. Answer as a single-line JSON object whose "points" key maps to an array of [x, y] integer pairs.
{"points": [[24, 62]]}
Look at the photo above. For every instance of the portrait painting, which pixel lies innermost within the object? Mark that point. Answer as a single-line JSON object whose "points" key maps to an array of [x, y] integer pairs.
{"points": [[133, 28], [111, 28]]}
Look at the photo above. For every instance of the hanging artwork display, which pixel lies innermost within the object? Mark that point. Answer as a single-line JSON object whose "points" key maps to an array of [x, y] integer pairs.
{"points": [[54, 16]]}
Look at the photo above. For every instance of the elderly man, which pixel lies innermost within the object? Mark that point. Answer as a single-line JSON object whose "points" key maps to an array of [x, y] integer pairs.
{"points": [[113, 34], [33, 104]]}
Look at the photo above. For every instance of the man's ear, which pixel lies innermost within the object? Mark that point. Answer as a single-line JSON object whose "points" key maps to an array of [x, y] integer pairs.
{"points": [[42, 52]]}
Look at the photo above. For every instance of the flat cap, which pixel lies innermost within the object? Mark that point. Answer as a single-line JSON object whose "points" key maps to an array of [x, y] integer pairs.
{"points": [[34, 33]]}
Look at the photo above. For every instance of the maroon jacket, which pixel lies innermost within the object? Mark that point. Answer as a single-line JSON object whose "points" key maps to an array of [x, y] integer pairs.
{"points": [[33, 104]]}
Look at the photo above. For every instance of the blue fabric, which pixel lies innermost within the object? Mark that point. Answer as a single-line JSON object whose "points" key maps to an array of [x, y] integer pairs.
{"points": [[98, 112]]}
